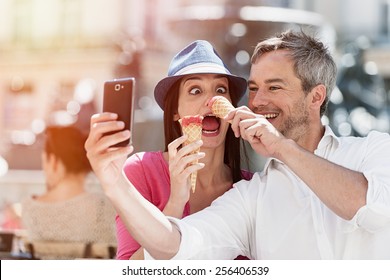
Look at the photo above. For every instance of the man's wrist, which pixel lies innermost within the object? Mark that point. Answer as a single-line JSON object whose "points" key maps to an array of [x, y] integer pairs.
{"points": [[285, 149]]}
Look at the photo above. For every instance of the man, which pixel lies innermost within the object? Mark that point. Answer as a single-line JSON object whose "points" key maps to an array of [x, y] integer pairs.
{"points": [[318, 197]]}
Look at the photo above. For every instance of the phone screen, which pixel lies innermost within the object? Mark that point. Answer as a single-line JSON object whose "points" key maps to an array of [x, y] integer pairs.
{"points": [[119, 98]]}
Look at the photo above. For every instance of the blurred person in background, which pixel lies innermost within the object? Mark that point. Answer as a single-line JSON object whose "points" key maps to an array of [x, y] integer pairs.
{"points": [[319, 196], [196, 74], [67, 211]]}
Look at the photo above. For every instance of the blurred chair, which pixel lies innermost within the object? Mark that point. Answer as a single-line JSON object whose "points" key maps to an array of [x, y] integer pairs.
{"points": [[52, 250], [6, 241], [10, 246]]}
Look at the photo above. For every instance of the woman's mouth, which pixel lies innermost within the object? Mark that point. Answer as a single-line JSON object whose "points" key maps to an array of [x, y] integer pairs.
{"points": [[210, 126]]}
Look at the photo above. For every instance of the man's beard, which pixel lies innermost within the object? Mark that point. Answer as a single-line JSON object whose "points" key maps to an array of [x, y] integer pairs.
{"points": [[297, 125]]}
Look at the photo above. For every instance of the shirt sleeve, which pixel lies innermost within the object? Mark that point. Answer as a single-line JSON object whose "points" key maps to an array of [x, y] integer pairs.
{"points": [[376, 168], [223, 230]]}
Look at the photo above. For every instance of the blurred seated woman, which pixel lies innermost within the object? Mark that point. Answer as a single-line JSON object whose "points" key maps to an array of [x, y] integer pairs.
{"points": [[67, 212]]}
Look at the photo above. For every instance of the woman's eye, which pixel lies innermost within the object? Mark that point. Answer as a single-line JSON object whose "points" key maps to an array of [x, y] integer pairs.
{"points": [[221, 90], [195, 91]]}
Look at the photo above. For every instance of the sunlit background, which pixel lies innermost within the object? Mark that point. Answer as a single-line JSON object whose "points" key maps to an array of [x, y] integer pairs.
{"points": [[55, 56]]}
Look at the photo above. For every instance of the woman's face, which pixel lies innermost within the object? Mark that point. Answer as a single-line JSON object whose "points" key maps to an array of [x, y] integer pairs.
{"points": [[194, 93]]}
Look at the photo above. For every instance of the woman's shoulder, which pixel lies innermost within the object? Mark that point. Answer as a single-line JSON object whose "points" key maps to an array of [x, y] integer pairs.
{"points": [[147, 171], [145, 159], [93, 195], [246, 175], [33, 202], [98, 200], [82, 198], [150, 163]]}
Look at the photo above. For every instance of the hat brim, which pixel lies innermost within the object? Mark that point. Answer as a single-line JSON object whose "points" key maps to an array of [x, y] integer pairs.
{"points": [[237, 85]]}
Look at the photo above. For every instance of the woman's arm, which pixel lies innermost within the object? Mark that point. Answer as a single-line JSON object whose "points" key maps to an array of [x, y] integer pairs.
{"points": [[138, 255], [144, 221]]}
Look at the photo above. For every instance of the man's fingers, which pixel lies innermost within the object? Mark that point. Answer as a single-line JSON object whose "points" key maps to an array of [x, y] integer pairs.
{"points": [[236, 116]]}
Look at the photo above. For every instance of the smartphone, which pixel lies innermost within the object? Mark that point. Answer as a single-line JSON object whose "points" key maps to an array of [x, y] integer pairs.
{"points": [[118, 97]]}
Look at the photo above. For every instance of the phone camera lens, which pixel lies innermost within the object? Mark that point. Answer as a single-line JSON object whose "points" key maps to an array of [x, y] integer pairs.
{"points": [[117, 87]]}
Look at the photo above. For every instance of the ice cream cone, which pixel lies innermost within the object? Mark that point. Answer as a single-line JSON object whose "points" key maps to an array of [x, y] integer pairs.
{"points": [[220, 106], [192, 127]]}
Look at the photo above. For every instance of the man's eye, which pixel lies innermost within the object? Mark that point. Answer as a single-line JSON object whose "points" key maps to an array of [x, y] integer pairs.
{"points": [[274, 88], [195, 91], [221, 90]]}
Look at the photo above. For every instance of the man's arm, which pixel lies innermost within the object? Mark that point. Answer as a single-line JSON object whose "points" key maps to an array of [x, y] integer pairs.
{"points": [[341, 189]]}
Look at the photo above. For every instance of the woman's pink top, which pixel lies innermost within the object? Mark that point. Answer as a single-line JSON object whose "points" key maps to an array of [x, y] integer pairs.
{"points": [[149, 173]]}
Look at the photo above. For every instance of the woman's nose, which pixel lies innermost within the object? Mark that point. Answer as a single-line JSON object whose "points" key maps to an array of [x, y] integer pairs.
{"points": [[208, 96]]}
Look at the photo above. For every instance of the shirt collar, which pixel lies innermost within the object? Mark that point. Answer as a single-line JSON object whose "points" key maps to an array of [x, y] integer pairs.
{"points": [[327, 139]]}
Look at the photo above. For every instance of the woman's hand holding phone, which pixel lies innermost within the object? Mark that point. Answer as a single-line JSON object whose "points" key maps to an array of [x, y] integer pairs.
{"points": [[108, 144], [107, 161]]}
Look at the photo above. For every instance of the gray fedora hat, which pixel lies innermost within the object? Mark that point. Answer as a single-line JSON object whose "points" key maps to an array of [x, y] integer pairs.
{"points": [[197, 58]]}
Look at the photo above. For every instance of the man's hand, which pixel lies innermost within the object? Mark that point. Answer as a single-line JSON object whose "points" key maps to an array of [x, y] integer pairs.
{"points": [[257, 130]]}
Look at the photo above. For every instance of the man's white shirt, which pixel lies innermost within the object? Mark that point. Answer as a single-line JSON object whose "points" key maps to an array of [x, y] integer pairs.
{"points": [[277, 216]]}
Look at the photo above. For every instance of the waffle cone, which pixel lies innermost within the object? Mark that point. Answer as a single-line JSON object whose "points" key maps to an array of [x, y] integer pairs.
{"points": [[192, 127], [220, 106]]}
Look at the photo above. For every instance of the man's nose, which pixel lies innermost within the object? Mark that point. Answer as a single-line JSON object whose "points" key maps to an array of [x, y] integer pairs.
{"points": [[258, 98]]}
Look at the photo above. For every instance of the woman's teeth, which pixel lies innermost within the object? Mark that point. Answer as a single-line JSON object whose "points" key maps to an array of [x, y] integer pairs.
{"points": [[209, 131]]}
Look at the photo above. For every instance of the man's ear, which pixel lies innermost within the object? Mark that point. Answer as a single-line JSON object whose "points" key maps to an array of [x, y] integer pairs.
{"points": [[318, 95]]}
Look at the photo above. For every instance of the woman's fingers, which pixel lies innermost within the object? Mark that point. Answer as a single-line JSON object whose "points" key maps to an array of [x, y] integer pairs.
{"points": [[99, 124], [192, 168], [190, 148], [174, 146], [105, 131], [181, 159], [175, 154], [185, 162], [98, 144]]}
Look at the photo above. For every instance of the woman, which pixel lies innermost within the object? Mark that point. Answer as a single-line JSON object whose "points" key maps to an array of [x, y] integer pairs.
{"points": [[67, 212], [195, 75]]}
